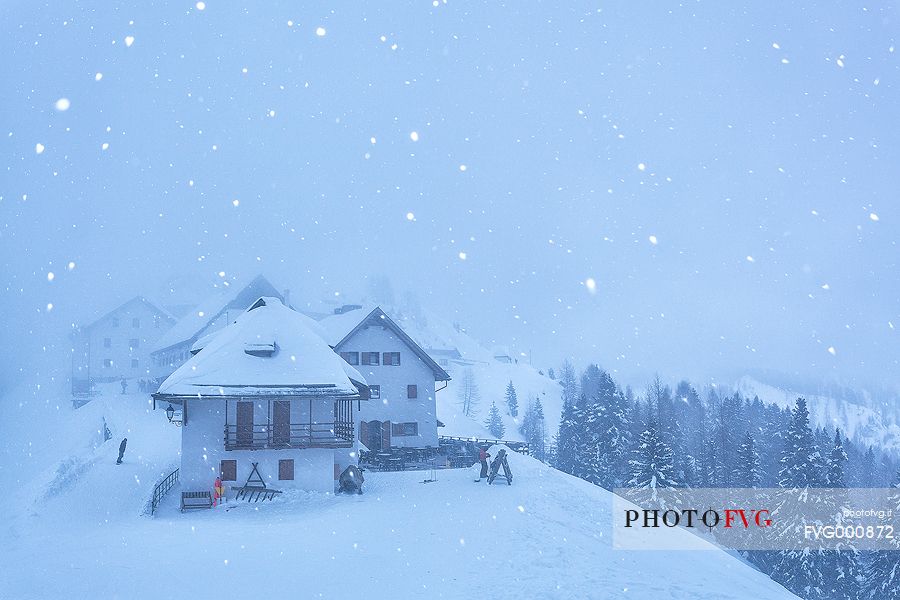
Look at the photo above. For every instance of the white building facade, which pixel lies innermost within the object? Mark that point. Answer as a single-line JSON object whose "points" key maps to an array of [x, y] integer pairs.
{"points": [[402, 378], [268, 390], [118, 344]]}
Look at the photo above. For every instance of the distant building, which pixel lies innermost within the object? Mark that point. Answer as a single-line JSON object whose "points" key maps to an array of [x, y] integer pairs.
{"points": [[117, 345], [265, 389], [402, 410], [174, 348], [502, 354]]}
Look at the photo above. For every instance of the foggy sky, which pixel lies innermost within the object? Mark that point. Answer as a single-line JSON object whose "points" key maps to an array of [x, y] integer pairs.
{"points": [[756, 145]]}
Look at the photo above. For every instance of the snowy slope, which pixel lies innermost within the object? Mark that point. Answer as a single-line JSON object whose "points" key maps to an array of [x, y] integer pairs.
{"points": [[858, 422], [546, 536], [492, 379]]}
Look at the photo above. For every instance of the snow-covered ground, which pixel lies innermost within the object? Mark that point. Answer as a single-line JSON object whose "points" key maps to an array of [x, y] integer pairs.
{"points": [[80, 531]]}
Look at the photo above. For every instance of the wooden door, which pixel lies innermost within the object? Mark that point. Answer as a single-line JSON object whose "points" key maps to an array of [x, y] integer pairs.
{"points": [[373, 438], [281, 423], [244, 423]]}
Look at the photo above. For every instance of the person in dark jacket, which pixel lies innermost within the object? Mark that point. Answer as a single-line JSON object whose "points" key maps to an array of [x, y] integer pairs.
{"points": [[483, 456], [122, 450]]}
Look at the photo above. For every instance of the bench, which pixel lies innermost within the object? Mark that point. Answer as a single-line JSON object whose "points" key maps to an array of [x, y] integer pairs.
{"points": [[195, 500]]}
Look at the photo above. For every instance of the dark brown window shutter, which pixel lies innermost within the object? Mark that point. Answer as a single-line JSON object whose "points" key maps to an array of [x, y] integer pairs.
{"points": [[385, 435], [412, 391], [364, 432], [286, 469], [228, 470]]}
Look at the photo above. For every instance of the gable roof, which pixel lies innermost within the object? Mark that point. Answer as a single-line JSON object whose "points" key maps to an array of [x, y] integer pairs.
{"points": [[380, 318], [189, 328], [156, 307], [269, 350]]}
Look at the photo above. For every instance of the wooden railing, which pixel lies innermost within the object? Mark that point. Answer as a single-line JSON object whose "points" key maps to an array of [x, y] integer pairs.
{"points": [[294, 435], [162, 489]]}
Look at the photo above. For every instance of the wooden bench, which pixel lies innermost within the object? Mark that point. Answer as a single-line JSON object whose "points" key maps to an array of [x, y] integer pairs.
{"points": [[195, 500]]}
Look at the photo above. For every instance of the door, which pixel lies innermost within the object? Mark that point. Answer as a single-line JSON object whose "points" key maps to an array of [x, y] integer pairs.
{"points": [[244, 423], [281, 423], [373, 436]]}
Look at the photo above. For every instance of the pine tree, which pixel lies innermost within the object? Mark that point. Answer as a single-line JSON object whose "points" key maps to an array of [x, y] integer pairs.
{"points": [[834, 478], [748, 474], [610, 434], [868, 470], [652, 466], [534, 429], [494, 422], [801, 464], [882, 578], [512, 402], [565, 440]]}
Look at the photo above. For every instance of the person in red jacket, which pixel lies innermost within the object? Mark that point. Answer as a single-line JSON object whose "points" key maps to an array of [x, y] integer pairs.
{"points": [[483, 457]]}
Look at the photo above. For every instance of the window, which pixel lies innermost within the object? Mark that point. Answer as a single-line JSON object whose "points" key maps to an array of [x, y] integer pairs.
{"points": [[107, 342], [412, 391], [136, 323], [351, 357], [115, 321], [374, 392], [134, 363], [404, 429], [107, 362], [286, 469], [228, 469], [134, 343], [391, 359], [370, 358]]}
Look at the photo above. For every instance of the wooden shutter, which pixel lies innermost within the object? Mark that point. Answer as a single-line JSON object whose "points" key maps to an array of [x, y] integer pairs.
{"points": [[228, 470], [412, 391], [364, 433], [386, 435], [286, 469]]}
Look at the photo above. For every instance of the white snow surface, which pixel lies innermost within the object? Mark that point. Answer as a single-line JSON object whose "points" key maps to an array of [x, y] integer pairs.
{"points": [[76, 527], [302, 358]]}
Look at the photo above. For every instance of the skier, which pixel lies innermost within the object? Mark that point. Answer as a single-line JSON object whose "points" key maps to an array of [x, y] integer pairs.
{"points": [[122, 450], [483, 457], [124, 385]]}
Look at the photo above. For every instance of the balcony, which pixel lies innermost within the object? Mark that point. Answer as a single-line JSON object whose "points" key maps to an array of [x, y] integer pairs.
{"points": [[295, 435]]}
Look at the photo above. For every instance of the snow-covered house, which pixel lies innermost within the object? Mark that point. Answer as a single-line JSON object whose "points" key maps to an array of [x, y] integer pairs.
{"points": [[217, 311], [266, 389], [118, 344], [401, 376], [502, 354]]}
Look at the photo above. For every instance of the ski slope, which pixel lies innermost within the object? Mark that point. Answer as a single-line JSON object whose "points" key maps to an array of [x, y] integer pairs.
{"points": [[546, 536]]}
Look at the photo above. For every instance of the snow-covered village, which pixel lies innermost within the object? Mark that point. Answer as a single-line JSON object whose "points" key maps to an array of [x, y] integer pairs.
{"points": [[560, 300]]}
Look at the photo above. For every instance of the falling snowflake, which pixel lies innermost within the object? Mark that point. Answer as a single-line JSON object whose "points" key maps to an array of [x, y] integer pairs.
{"points": [[50, 276], [642, 167], [462, 256], [591, 285], [832, 351], [873, 216], [463, 168], [414, 136], [39, 148], [63, 104], [98, 76], [129, 40], [200, 5], [653, 239], [750, 259], [410, 216], [320, 31]]}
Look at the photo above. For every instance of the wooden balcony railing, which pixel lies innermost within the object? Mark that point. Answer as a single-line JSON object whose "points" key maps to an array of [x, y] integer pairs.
{"points": [[295, 435]]}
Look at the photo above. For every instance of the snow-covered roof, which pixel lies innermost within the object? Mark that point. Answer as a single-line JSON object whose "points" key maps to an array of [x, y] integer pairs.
{"points": [[191, 326], [269, 350], [143, 299], [337, 326], [341, 326]]}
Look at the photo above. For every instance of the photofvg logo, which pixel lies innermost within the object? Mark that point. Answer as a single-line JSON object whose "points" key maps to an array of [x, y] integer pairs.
{"points": [[692, 517], [755, 519]]}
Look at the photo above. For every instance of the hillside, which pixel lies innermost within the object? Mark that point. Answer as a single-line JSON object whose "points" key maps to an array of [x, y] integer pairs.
{"points": [[858, 422], [546, 536]]}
